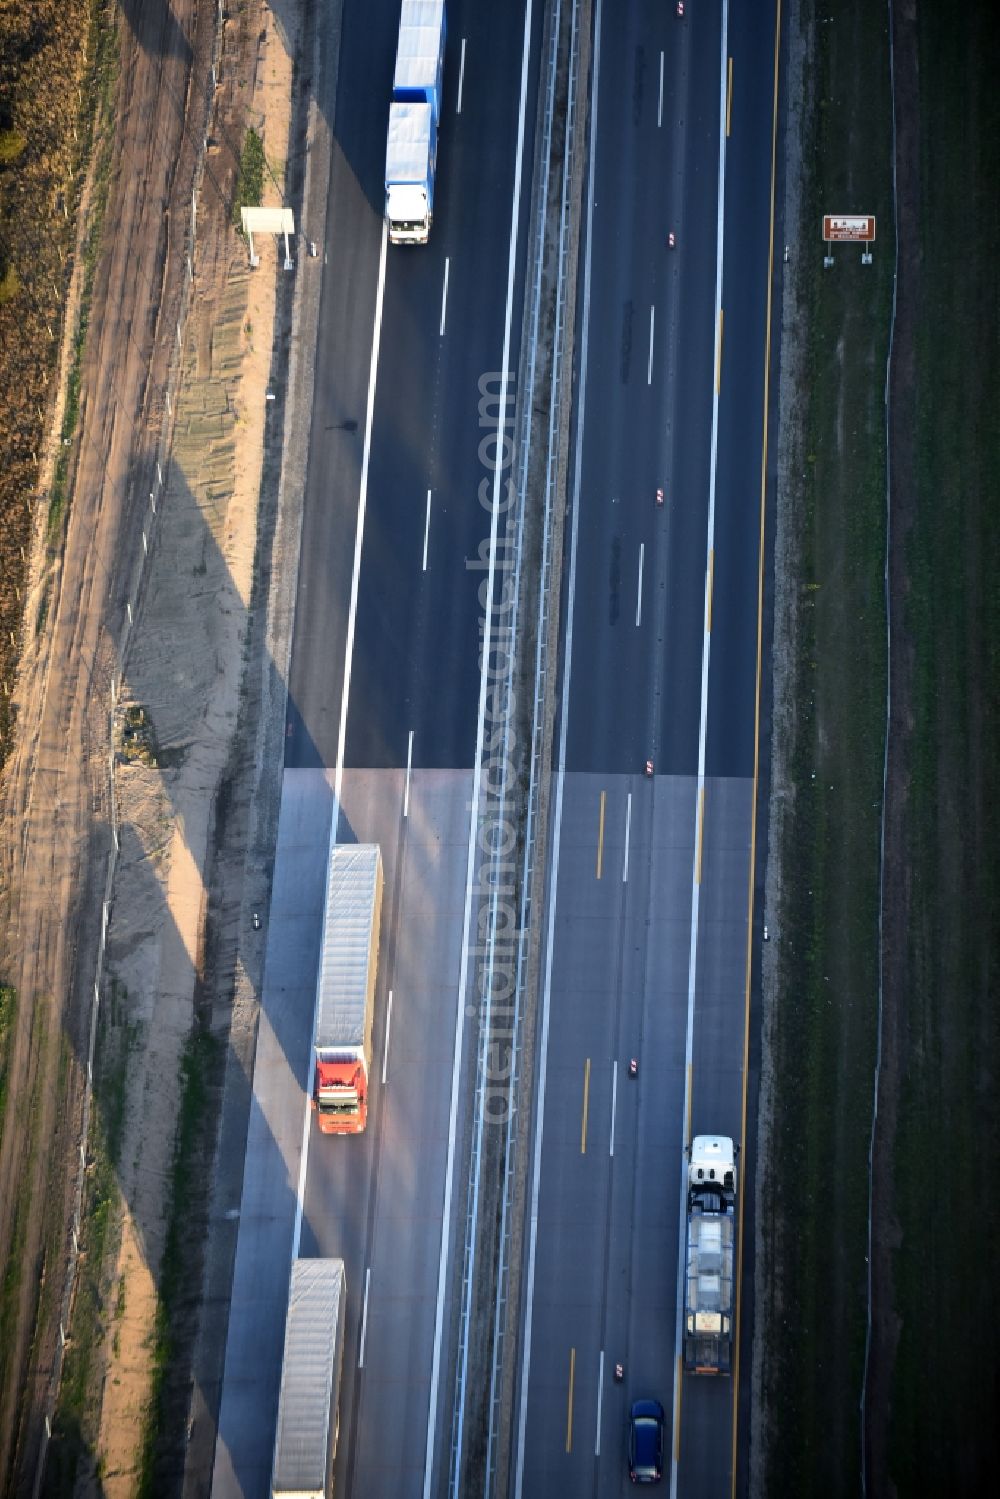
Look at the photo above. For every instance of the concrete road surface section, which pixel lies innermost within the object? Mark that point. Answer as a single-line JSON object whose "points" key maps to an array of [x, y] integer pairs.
{"points": [[609, 1221], [249, 1406], [376, 1199], [605, 1273]]}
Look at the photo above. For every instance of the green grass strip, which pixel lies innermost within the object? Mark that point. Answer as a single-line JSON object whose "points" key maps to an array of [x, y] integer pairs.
{"points": [[250, 179], [200, 1059]]}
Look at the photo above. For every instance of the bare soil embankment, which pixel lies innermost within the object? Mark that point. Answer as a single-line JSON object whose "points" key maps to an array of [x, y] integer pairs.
{"points": [[55, 810], [186, 667]]}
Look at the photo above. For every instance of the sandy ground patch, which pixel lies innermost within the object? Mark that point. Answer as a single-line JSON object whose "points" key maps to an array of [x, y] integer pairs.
{"points": [[185, 670], [54, 815]]}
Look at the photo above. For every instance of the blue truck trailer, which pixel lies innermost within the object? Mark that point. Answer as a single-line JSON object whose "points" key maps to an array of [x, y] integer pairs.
{"points": [[414, 116]]}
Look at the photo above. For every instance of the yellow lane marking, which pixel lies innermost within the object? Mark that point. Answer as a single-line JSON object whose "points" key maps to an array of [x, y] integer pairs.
{"points": [[711, 586], [701, 834], [586, 1107], [718, 355], [569, 1401], [756, 756], [729, 97], [600, 837]]}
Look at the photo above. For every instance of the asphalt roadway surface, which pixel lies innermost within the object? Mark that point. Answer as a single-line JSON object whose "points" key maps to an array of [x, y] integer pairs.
{"points": [[411, 610], [651, 876]]}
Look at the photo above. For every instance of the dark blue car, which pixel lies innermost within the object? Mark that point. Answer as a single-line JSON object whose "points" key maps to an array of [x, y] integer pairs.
{"points": [[645, 1442]]}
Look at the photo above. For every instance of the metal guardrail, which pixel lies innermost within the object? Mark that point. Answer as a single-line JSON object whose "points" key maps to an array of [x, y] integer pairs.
{"points": [[525, 397], [542, 666], [522, 448], [528, 894]]}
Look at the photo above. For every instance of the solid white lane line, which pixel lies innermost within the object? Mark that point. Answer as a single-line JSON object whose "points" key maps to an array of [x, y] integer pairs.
{"points": [[702, 735], [409, 766], [427, 529], [543, 1042], [364, 1319], [659, 107], [388, 1028], [652, 320], [449, 1180], [638, 601], [600, 1397], [444, 295], [614, 1106], [628, 829], [461, 78], [338, 778], [360, 532]]}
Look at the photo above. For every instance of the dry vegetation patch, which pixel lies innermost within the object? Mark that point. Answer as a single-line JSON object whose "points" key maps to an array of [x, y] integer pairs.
{"points": [[56, 68]]}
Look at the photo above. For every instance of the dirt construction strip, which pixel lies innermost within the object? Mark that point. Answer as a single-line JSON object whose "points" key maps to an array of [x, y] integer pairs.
{"points": [[184, 671], [54, 810]]}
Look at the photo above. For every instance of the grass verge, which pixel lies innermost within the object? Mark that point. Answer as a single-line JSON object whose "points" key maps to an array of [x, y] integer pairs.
{"points": [[948, 1139], [74, 1429], [15, 1267], [8, 1016], [813, 1314], [178, 1269]]}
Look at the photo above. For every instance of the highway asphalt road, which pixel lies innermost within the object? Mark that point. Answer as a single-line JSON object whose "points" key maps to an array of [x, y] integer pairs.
{"points": [[406, 339], [416, 633], [267, 1214], [377, 1201], [652, 879]]}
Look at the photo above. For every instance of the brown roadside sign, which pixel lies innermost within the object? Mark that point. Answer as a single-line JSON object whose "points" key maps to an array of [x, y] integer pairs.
{"points": [[841, 226]]}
